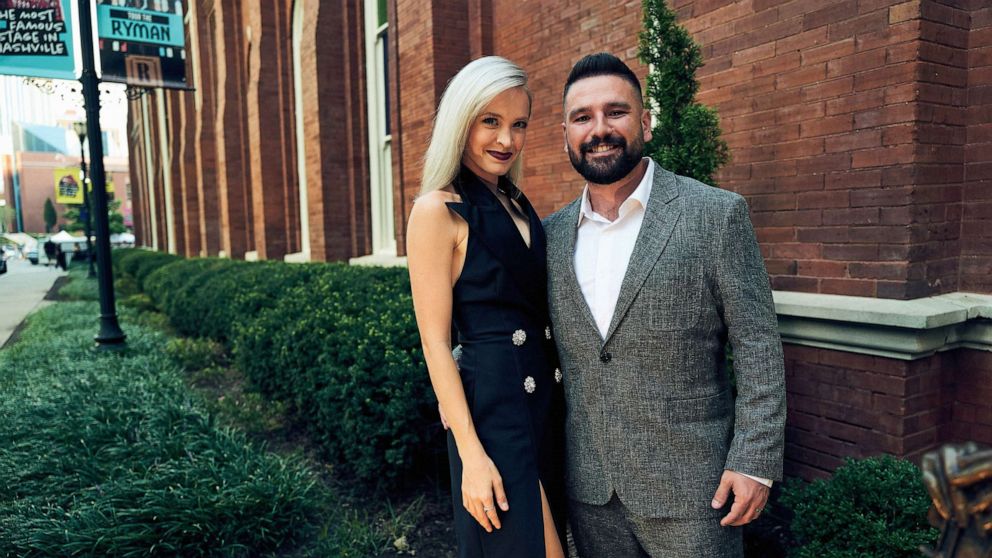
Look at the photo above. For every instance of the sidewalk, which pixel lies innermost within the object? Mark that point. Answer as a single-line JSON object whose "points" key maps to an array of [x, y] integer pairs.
{"points": [[22, 290]]}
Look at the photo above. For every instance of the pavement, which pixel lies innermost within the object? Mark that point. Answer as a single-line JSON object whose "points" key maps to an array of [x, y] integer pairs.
{"points": [[22, 291]]}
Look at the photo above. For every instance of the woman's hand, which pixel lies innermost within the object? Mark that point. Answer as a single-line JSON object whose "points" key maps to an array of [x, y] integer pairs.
{"points": [[480, 482]]}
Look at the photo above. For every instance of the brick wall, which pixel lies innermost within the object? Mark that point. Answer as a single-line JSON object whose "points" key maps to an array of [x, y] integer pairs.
{"points": [[976, 226], [335, 140], [230, 128], [546, 39], [972, 397], [204, 145], [847, 405], [432, 44]]}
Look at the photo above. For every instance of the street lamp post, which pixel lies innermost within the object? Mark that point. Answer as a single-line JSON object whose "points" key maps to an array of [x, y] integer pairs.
{"points": [[110, 334], [80, 129]]}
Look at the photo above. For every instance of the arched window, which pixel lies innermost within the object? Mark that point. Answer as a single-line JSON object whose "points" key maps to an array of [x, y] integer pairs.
{"points": [[301, 155], [380, 138]]}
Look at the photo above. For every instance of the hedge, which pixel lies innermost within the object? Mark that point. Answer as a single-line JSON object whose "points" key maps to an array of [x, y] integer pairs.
{"points": [[337, 343]]}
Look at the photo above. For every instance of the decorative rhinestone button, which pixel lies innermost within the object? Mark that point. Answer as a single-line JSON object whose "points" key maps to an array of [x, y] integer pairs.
{"points": [[519, 337], [558, 375], [547, 332], [456, 354], [529, 384]]}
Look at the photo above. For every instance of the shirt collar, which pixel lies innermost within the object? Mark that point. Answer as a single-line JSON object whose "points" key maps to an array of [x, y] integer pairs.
{"points": [[640, 196]]}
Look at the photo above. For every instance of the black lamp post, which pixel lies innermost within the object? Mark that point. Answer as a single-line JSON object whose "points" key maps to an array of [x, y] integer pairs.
{"points": [[80, 129], [110, 335]]}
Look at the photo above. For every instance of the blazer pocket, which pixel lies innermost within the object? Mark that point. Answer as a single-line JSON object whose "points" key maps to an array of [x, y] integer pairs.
{"points": [[674, 290]]}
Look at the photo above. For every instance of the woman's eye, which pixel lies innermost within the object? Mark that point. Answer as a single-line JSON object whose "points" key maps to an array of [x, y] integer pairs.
{"points": [[490, 121], [520, 124]]}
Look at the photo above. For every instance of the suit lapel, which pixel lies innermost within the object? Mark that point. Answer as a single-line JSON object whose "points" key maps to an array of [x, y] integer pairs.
{"points": [[564, 259], [660, 218]]}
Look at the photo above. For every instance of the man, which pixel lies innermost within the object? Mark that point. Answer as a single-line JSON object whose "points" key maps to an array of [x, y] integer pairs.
{"points": [[650, 274]]}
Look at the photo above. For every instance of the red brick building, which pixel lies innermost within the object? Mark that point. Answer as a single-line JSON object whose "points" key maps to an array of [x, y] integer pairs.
{"points": [[860, 132]]}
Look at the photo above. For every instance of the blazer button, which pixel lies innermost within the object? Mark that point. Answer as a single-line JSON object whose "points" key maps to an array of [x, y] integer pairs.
{"points": [[605, 356]]}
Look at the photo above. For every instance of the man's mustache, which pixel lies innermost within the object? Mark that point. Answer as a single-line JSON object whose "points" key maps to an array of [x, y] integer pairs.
{"points": [[611, 140]]}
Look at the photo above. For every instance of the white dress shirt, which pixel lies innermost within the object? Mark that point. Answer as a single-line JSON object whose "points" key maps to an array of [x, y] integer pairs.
{"points": [[602, 253]]}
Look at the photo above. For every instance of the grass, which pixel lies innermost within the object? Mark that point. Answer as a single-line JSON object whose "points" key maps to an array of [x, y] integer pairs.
{"points": [[135, 454]]}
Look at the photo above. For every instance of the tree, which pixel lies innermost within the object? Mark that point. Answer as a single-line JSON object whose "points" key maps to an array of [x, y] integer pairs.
{"points": [[50, 216], [686, 135], [77, 222]]}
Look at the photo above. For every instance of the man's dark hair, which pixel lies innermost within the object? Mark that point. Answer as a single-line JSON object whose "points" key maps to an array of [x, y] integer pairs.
{"points": [[601, 64]]}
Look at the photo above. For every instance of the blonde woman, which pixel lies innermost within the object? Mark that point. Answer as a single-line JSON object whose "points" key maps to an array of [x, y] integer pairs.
{"points": [[476, 252]]}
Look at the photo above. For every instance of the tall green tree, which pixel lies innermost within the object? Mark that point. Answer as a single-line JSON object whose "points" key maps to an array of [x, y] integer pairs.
{"points": [[686, 134], [50, 216], [76, 222]]}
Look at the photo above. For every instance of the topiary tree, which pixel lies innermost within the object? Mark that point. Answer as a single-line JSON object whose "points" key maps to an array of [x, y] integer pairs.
{"points": [[50, 216], [686, 135], [871, 507]]}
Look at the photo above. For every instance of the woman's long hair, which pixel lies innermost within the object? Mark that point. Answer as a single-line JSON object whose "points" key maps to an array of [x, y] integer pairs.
{"points": [[472, 88]]}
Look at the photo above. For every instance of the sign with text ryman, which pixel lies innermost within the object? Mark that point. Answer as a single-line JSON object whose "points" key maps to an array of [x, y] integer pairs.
{"points": [[37, 39], [141, 45]]}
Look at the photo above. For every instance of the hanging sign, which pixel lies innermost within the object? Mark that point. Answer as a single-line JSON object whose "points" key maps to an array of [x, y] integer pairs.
{"points": [[67, 188], [143, 46], [37, 39]]}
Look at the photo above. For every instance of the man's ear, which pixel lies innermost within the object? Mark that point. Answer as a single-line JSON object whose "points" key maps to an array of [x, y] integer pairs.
{"points": [[646, 124], [564, 136]]}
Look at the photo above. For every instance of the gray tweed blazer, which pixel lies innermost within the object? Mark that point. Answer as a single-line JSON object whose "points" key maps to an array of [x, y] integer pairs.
{"points": [[651, 414]]}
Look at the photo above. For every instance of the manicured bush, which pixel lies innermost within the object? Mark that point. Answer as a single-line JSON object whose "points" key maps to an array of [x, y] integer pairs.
{"points": [[873, 507], [230, 299], [174, 288], [337, 343], [137, 263], [344, 351]]}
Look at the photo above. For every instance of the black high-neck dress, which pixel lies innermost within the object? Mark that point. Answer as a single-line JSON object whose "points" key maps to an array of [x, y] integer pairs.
{"points": [[510, 371]]}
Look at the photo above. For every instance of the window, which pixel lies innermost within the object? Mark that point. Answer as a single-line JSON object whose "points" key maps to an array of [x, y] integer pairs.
{"points": [[380, 138]]}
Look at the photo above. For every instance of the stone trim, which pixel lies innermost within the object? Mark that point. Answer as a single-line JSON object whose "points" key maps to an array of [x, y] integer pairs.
{"points": [[899, 329]]}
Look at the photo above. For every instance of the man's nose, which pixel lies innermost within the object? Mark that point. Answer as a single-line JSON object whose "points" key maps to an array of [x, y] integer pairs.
{"points": [[601, 127]]}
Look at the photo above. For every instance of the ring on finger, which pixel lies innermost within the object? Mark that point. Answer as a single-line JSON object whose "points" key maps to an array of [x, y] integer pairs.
{"points": [[488, 509]]}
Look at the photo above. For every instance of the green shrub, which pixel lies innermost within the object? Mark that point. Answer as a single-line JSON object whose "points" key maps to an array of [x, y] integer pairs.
{"points": [[194, 354], [874, 507], [344, 351], [235, 297], [137, 263]]}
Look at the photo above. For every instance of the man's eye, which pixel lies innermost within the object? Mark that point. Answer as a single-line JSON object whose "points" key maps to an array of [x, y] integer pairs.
{"points": [[617, 113], [582, 118]]}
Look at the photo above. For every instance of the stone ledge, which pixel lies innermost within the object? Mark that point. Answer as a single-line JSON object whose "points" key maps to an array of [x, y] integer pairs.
{"points": [[900, 329], [386, 259]]}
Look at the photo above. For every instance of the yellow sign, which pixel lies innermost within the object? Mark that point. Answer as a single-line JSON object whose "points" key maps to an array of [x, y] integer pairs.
{"points": [[67, 189]]}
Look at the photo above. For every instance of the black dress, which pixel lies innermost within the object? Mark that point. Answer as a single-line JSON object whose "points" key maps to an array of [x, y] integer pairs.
{"points": [[510, 371]]}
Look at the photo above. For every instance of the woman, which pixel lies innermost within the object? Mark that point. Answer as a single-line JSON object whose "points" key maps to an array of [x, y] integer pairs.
{"points": [[476, 254]]}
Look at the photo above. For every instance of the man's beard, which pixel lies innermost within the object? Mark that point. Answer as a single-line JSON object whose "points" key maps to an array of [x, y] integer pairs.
{"points": [[607, 170]]}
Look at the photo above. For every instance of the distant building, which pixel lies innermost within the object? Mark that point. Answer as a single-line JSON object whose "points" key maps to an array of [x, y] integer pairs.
{"points": [[36, 138]]}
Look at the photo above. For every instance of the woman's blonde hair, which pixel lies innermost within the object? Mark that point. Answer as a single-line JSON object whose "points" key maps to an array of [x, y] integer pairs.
{"points": [[472, 88]]}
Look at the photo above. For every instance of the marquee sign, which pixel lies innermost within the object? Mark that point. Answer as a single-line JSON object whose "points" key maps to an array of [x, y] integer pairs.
{"points": [[37, 39], [141, 45]]}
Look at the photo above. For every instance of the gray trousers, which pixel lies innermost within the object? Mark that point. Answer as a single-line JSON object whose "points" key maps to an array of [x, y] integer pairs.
{"points": [[612, 531]]}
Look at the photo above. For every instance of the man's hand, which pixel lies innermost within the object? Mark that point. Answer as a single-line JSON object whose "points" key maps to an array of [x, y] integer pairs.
{"points": [[750, 497]]}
